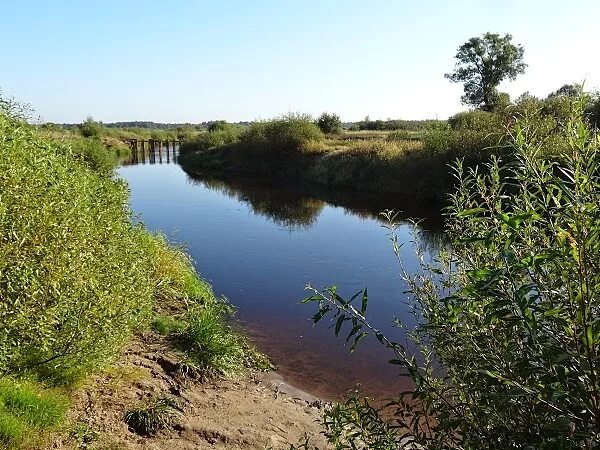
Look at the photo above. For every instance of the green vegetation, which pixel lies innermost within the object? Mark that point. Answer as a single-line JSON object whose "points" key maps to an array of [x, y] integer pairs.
{"points": [[167, 325], [391, 125], [219, 134], [151, 417], [74, 272], [78, 277], [25, 409], [213, 346], [289, 133], [292, 147], [482, 63], [117, 135], [509, 310], [407, 163], [208, 342], [329, 123], [90, 128]]}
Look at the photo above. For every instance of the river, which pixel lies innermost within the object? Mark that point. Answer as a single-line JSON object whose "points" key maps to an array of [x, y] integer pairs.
{"points": [[260, 244]]}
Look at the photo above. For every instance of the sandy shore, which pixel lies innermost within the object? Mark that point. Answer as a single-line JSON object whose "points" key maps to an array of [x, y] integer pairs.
{"points": [[260, 411]]}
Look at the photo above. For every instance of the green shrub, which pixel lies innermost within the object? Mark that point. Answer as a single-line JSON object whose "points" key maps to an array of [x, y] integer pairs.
{"points": [[175, 281], [91, 128], [74, 274], [221, 134], [218, 125], [506, 345], [329, 123], [477, 120], [592, 111], [93, 153], [290, 133], [476, 146]]}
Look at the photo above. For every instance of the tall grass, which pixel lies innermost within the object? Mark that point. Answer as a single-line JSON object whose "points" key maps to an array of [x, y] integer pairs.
{"points": [[26, 409]]}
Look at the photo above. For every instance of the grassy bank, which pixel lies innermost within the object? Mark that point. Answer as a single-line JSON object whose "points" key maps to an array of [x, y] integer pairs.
{"points": [[78, 277], [409, 163]]}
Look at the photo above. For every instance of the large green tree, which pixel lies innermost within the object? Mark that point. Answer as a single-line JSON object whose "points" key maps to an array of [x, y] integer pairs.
{"points": [[484, 62]]}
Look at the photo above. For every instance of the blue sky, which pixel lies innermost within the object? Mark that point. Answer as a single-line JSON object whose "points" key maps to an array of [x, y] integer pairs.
{"points": [[193, 61]]}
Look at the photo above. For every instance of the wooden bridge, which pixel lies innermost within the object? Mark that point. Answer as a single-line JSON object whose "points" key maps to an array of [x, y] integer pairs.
{"points": [[154, 149], [151, 144]]}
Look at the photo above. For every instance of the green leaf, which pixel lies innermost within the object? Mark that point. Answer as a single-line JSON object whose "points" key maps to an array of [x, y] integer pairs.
{"points": [[471, 212], [338, 324], [357, 339], [365, 301]]}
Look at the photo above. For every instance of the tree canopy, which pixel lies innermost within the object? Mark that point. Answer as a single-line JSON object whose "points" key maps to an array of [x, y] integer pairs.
{"points": [[329, 123], [482, 64]]}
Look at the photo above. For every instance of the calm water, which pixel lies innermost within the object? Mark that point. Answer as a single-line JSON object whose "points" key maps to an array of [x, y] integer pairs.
{"points": [[260, 245]]}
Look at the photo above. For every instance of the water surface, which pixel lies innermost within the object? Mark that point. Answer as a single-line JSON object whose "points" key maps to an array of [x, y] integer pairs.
{"points": [[260, 244]]}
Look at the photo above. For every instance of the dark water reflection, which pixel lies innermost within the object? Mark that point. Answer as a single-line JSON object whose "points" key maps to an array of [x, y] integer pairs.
{"points": [[259, 244]]}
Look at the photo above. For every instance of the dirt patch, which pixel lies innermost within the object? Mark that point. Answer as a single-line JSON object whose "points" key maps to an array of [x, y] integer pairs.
{"points": [[258, 412]]}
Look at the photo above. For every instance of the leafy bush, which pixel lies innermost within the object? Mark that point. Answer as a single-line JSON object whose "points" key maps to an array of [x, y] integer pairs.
{"points": [[476, 120], [219, 135], [176, 282], [290, 133], [390, 125], [93, 153], [76, 276], [91, 128], [476, 146], [218, 125], [329, 123], [74, 279], [507, 316], [592, 111]]}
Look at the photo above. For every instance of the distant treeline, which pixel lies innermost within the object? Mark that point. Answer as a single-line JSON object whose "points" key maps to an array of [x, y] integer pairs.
{"points": [[153, 125], [395, 124], [366, 124]]}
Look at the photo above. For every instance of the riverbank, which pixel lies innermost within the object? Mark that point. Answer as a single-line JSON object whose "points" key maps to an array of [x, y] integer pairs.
{"points": [[410, 166], [81, 280], [252, 412]]}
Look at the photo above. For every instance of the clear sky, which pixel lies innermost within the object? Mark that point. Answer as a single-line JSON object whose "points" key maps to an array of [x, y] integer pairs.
{"points": [[191, 61]]}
